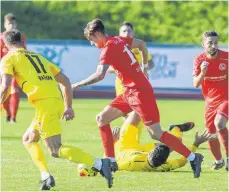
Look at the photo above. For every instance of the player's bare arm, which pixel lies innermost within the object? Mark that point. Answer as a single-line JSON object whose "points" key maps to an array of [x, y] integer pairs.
{"points": [[5, 86], [141, 45], [66, 90], [197, 80], [94, 78]]}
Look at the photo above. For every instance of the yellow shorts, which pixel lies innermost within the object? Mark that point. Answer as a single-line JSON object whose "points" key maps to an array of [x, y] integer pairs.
{"points": [[47, 117], [119, 87]]}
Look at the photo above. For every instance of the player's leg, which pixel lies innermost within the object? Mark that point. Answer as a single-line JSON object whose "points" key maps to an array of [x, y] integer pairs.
{"points": [[213, 143], [145, 105], [220, 124], [117, 108], [30, 141], [50, 132], [14, 100], [6, 106]]}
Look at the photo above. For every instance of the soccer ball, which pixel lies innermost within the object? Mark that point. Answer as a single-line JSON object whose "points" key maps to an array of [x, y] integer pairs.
{"points": [[83, 171]]}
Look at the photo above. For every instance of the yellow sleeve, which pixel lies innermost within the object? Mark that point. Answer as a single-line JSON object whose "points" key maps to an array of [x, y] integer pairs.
{"points": [[149, 56], [7, 66], [54, 69], [175, 163]]}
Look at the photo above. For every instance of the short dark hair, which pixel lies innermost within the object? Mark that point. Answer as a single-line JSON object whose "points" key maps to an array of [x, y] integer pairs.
{"points": [[158, 156], [210, 33], [96, 25], [127, 24], [12, 37], [10, 17]]}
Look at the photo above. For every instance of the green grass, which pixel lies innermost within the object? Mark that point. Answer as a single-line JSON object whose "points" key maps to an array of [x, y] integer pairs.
{"points": [[19, 173]]}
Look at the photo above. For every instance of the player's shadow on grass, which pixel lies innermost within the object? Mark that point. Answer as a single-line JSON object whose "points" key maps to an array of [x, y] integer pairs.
{"points": [[203, 148], [11, 138]]}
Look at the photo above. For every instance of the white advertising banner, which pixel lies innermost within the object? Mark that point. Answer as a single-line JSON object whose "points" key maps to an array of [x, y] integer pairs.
{"points": [[77, 59]]}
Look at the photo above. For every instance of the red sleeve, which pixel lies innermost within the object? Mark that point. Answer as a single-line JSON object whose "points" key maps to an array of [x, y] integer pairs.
{"points": [[106, 56], [127, 40], [196, 67]]}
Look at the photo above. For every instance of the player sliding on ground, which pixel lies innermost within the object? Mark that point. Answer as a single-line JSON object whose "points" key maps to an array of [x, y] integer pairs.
{"points": [[39, 79], [138, 95], [133, 156]]}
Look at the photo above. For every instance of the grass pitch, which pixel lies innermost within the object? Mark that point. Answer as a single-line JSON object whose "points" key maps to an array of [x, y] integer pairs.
{"points": [[18, 173]]}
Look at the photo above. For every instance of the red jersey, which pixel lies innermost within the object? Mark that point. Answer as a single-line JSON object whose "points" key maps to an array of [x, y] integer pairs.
{"points": [[4, 49], [215, 83], [118, 54]]}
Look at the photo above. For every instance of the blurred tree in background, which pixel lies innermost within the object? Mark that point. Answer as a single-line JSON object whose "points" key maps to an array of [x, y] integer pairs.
{"points": [[156, 21]]}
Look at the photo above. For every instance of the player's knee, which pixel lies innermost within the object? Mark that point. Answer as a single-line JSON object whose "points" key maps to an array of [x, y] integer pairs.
{"points": [[54, 152], [100, 120], [219, 124]]}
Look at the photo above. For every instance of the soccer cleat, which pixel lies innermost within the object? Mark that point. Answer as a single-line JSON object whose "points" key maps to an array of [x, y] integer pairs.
{"points": [[114, 166], [226, 167], [13, 121], [217, 166], [106, 171], [196, 164], [48, 183], [7, 118], [183, 127]]}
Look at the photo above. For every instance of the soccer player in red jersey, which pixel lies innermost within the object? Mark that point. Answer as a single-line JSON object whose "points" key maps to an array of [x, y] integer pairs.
{"points": [[12, 103], [138, 95], [210, 70]]}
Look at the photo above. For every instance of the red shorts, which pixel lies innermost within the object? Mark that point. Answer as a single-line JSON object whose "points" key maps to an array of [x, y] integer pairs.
{"points": [[142, 102], [211, 112], [14, 83]]}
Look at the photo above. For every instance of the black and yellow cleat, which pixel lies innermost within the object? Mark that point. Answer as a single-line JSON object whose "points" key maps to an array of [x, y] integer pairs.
{"points": [[47, 184], [196, 164], [183, 127]]}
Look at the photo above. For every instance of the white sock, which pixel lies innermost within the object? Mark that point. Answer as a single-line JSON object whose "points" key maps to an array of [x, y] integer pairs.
{"points": [[98, 164], [112, 159], [44, 175], [191, 157], [219, 161]]}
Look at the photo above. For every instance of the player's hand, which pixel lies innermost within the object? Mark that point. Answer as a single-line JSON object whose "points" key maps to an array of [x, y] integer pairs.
{"points": [[199, 139], [116, 133], [68, 114], [204, 66], [145, 71], [75, 86]]}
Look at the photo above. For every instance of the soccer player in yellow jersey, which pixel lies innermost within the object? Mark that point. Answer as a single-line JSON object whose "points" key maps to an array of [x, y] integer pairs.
{"points": [[133, 156], [39, 79]]}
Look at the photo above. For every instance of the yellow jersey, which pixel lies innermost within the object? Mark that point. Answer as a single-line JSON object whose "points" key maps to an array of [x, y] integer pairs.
{"points": [[33, 73], [118, 83]]}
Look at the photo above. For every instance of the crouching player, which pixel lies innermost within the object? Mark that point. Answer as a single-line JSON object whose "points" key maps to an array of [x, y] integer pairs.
{"points": [[133, 156]]}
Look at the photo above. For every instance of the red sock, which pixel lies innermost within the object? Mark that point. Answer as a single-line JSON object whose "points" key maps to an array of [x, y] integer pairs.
{"points": [[224, 139], [14, 103], [107, 139], [214, 146], [6, 106], [174, 143]]}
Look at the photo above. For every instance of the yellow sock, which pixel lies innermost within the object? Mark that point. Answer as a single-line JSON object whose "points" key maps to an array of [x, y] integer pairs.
{"points": [[37, 155], [140, 127], [76, 155], [176, 132]]}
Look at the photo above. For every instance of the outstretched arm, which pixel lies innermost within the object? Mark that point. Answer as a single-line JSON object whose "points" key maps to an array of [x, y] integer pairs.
{"points": [[94, 78]]}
